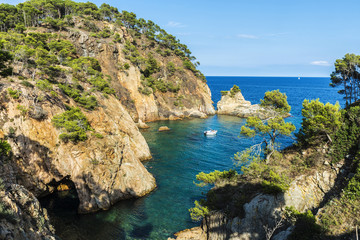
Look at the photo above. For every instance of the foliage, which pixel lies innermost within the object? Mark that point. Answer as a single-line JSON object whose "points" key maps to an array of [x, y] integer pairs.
{"points": [[189, 65], [269, 130], [254, 168], [98, 135], [276, 100], [151, 66], [199, 211], [73, 125], [306, 227], [101, 84], [86, 101], [157, 84], [23, 110], [44, 85], [86, 66], [213, 177], [234, 90], [346, 139], [352, 190], [224, 93], [126, 66], [342, 212], [105, 33], [26, 84], [274, 183], [171, 68], [45, 53], [15, 94], [7, 213], [347, 75], [132, 54], [320, 121], [5, 149], [5, 58], [145, 90]]}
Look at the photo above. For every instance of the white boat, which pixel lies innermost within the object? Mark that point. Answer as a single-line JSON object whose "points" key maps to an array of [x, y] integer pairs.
{"points": [[210, 132]]}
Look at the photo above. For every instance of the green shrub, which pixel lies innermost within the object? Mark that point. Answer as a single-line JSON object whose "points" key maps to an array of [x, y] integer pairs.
{"points": [[224, 93], [117, 38], [126, 66], [86, 101], [8, 214], [151, 66], [171, 68], [23, 109], [15, 94], [277, 100], [44, 85], [234, 90], [189, 65], [275, 183], [213, 177], [27, 84], [98, 135], [173, 88], [306, 227], [73, 125], [320, 122], [145, 90], [346, 139], [101, 85], [199, 211], [5, 149]]}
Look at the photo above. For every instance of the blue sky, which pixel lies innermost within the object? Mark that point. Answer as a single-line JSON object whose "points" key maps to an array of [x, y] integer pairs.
{"points": [[257, 37]]}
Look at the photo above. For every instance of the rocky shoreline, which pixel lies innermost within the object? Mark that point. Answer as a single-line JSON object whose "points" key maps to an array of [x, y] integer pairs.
{"points": [[236, 105]]}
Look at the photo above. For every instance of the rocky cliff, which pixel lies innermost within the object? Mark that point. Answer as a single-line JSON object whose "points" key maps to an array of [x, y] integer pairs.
{"points": [[266, 211], [104, 170], [108, 77], [190, 98], [22, 216]]}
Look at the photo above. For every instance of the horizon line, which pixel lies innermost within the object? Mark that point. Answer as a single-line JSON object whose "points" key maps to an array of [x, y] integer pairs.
{"points": [[267, 76]]}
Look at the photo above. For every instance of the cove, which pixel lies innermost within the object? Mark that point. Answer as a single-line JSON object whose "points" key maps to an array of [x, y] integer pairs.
{"points": [[178, 155]]}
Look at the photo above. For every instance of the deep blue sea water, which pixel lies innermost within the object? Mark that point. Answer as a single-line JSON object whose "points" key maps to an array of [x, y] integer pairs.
{"points": [[178, 155]]}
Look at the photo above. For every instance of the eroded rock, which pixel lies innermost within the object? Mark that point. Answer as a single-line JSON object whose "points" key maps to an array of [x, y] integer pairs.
{"points": [[23, 218], [163, 128]]}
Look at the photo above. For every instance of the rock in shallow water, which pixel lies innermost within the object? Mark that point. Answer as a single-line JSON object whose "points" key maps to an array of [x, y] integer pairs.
{"points": [[164, 128]]}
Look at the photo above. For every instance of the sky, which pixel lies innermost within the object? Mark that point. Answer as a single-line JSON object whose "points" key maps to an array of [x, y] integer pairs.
{"points": [[256, 37]]}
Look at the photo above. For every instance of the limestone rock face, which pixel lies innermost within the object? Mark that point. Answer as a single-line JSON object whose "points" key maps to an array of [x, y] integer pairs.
{"points": [[196, 233], [238, 106], [192, 100], [24, 219], [305, 192], [104, 170]]}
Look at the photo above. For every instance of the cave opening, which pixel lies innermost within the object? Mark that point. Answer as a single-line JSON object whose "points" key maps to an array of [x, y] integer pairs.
{"points": [[63, 198]]}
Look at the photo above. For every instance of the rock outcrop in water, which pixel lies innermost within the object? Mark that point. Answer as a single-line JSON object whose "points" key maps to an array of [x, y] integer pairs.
{"points": [[234, 104]]}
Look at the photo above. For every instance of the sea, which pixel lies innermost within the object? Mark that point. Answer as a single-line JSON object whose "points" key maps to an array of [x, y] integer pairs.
{"points": [[178, 155]]}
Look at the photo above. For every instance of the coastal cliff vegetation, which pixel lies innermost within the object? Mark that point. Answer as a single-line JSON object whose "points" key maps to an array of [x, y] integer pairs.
{"points": [[328, 139], [75, 78]]}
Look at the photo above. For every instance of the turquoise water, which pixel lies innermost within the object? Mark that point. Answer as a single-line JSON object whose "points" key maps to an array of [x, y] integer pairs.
{"points": [[178, 155]]}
